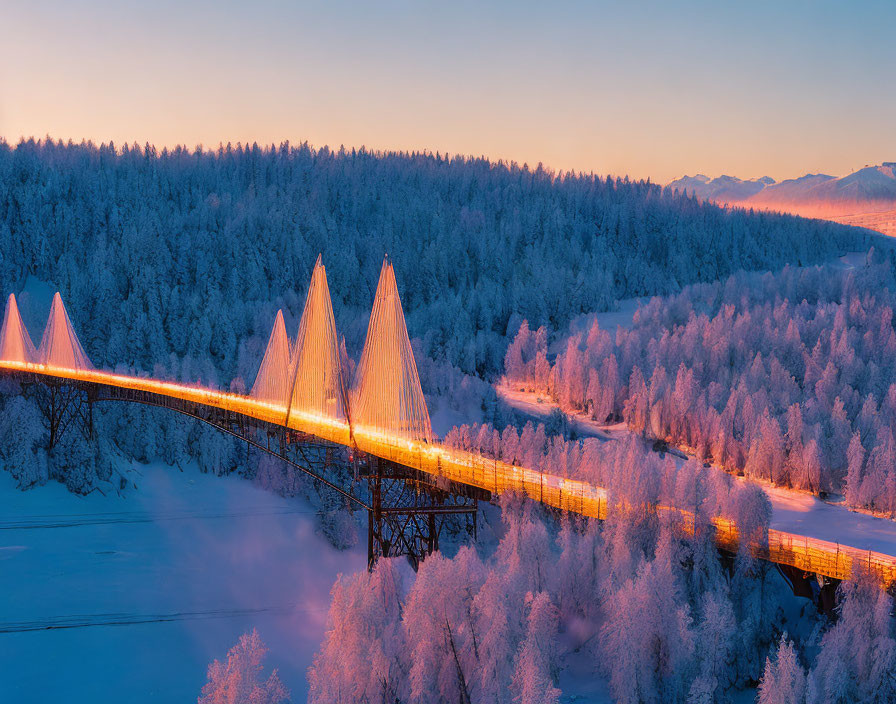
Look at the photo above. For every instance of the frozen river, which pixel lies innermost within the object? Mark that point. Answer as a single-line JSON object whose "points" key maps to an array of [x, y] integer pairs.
{"points": [[129, 599]]}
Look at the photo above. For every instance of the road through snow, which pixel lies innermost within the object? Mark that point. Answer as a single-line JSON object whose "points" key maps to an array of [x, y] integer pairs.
{"points": [[792, 511]]}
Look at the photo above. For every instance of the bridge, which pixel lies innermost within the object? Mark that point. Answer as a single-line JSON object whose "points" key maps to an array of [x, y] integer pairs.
{"points": [[371, 440]]}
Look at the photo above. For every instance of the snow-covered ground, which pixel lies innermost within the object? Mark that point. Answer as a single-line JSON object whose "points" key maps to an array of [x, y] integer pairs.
{"points": [[792, 511], [539, 407], [129, 598], [804, 514]]}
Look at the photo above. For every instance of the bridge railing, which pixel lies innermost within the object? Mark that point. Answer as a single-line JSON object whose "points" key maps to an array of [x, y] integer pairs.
{"points": [[809, 554]]}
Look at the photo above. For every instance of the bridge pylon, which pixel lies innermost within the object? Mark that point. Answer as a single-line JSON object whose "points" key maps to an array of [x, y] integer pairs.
{"points": [[387, 396], [15, 342]]}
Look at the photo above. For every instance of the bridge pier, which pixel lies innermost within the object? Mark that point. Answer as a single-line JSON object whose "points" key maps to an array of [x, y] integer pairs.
{"points": [[822, 591], [408, 512], [63, 404]]}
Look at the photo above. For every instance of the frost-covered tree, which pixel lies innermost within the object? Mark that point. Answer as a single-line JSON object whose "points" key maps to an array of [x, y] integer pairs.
{"points": [[784, 680], [536, 665], [364, 654], [649, 657], [857, 661], [441, 629], [714, 643], [22, 440], [855, 469], [578, 572], [240, 679]]}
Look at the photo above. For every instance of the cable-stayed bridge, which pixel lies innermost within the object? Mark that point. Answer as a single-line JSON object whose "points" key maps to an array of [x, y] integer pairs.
{"points": [[370, 438]]}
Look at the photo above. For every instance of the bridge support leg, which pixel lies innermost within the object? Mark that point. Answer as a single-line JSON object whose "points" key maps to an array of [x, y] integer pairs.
{"points": [[407, 515], [821, 590], [64, 405]]}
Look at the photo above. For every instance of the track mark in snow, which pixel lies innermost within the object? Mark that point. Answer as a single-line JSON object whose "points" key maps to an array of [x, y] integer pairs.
{"points": [[113, 619], [104, 519]]}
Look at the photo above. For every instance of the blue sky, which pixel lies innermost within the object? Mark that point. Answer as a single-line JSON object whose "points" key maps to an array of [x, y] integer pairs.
{"points": [[646, 89]]}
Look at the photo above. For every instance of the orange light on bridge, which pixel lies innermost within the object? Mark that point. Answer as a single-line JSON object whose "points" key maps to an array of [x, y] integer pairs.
{"points": [[388, 417]]}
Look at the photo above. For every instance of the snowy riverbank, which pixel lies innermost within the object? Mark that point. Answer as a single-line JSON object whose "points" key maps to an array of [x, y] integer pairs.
{"points": [[129, 598]]}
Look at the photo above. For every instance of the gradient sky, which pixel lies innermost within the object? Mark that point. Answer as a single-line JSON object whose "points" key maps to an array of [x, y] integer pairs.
{"points": [[646, 89]]}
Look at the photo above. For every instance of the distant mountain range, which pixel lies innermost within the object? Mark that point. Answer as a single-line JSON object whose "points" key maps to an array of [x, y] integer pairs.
{"points": [[868, 190]]}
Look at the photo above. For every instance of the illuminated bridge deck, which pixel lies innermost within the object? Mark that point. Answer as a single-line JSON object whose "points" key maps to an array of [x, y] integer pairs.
{"points": [[799, 551]]}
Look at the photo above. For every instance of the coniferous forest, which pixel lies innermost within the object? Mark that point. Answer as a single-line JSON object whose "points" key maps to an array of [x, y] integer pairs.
{"points": [[190, 253], [175, 262]]}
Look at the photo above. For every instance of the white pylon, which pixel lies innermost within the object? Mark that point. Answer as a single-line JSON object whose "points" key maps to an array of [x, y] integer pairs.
{"points": [[59, 346], [317, 384], [387, 396], [15, 342], [272, 380]]}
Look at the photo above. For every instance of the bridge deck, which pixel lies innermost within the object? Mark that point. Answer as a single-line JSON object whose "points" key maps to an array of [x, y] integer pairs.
{"points": [[800, 551]]}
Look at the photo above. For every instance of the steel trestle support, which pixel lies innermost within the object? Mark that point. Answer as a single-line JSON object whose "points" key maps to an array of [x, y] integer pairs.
{"points": [[407, 509]]}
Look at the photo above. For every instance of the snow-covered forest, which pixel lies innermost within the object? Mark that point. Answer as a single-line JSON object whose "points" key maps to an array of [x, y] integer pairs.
{"points": [[633, 600], [642, 601], [181, 258], [787, 377], [174, 263]]}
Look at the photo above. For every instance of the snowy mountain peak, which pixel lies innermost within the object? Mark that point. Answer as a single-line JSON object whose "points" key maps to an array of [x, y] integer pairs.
{"points": [[869, 188], [728, 189]]}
